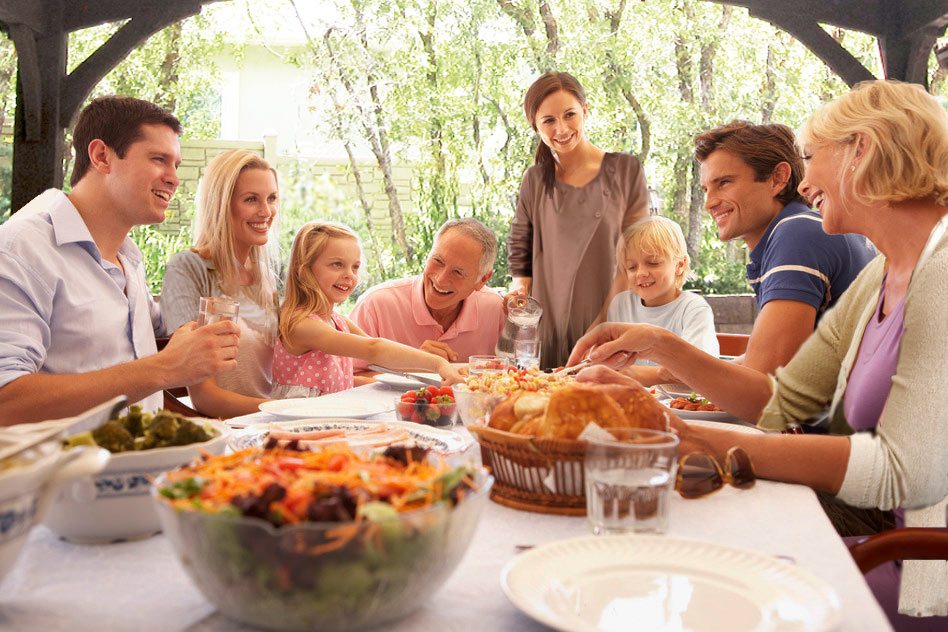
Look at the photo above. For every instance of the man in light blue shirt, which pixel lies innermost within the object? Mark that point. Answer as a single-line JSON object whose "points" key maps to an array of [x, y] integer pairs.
{"points": [[77, 322]]}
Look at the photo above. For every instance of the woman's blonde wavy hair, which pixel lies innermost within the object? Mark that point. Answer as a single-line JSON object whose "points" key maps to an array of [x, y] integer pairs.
{"points": [[659, 237], [905, 153], [303, 294], [213, 229]]}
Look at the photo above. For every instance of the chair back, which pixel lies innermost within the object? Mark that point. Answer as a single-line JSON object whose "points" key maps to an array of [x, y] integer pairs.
{"points": [[732, 344], [911, 543]]}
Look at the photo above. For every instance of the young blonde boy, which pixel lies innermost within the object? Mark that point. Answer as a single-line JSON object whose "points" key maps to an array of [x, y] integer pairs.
{"points": [[655, 257]]}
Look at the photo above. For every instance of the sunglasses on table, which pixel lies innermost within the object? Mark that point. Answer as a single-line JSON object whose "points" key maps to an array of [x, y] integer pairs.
{"points": [[700, 474]]}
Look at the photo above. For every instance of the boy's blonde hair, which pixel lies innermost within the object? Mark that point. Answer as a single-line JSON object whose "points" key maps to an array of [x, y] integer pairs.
{"points": [[303, 294], [906, 129], [660, 237], [213, 228]]}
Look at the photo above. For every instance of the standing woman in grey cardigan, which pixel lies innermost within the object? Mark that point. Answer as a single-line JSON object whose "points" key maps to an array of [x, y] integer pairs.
{"points": [[574, 204], [877, 165], [236, 208]]}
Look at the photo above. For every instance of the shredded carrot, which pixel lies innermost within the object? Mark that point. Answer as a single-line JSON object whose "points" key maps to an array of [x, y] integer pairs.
{"points": [[305, 475]]}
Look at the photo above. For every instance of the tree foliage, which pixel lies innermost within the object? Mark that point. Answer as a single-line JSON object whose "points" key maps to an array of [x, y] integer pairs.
{"points": [[438, 85]]}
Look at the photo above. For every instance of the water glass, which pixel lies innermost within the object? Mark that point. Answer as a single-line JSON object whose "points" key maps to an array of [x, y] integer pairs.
{"points": [[214, 309], [629, 480], [477, 364]]}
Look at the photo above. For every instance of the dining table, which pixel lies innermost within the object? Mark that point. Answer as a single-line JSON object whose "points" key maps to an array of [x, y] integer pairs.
{"points": [[140, 585]]}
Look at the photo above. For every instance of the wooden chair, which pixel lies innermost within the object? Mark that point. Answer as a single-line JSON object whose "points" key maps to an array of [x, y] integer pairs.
{"points": [[911, 543], [732, 344]]}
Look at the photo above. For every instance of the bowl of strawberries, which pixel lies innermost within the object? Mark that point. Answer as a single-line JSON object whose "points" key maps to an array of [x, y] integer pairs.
{"points": [[432, 405]]}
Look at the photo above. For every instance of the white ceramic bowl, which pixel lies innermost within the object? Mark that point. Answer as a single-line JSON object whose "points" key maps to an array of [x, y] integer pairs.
{"points": [[115, 505], [27, 489]]}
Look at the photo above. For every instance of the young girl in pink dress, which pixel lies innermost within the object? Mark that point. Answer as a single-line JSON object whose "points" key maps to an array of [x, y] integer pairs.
{"points": [[314, 353]]}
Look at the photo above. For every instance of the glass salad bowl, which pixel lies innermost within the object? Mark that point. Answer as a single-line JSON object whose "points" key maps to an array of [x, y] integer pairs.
{"points": [[322, 575]]}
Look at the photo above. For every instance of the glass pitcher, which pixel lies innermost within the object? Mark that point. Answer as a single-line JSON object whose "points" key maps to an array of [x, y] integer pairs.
{"points": [[520, 338]]}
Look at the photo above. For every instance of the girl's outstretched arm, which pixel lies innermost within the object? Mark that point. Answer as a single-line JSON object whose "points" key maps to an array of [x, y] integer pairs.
{"points": [[312, 334]]}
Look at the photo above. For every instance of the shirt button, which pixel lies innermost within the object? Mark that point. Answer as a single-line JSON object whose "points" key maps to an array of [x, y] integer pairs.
{"points": [[598, 214]]}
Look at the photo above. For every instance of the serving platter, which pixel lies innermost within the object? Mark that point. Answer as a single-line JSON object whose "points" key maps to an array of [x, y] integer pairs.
{"points": [[323, 407], [437, 439], [708, 415], [606, 583]]}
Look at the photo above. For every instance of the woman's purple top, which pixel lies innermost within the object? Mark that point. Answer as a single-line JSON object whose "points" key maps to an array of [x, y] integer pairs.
{"points": [[871, 377]]}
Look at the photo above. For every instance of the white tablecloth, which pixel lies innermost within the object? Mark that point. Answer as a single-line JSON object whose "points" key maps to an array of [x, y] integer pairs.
{"points": [[140, 585]]}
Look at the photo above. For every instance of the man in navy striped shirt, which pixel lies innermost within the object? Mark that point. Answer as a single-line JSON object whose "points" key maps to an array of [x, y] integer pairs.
{"points": [[750, 175]]}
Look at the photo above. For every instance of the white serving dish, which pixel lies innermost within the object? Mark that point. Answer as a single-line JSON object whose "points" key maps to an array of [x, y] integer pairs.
{"points": [[437, 439], [27, 490], [115, 504]]}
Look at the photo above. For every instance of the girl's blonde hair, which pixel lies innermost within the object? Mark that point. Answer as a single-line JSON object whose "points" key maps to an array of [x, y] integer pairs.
{"points": [[660, 237], [213, 228], [905, 156], [303, 294]]}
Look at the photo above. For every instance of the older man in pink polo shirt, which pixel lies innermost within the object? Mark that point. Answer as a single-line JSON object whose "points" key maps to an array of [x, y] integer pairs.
{"points": [[446, 310]]}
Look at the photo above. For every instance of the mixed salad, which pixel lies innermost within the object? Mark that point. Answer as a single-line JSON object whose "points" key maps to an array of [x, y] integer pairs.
{"points": [[326, 539]]}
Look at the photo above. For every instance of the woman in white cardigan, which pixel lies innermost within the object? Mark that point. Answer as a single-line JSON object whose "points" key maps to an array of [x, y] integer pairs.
{"points": [[877, 165]]}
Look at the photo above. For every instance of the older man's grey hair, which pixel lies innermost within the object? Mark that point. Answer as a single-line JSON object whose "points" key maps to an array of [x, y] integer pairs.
{"points": [[478, 232]]}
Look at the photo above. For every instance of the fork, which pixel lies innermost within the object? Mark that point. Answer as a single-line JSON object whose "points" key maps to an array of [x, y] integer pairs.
{"points": [[570, 370]]}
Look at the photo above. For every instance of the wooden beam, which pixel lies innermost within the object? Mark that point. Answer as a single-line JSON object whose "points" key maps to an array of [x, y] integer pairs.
{"points": [[29, 13], [38, 162], [29, 79], [916, 15], [812, 35], [80, 82], [85, 14], [906, 58], [855, 15]]}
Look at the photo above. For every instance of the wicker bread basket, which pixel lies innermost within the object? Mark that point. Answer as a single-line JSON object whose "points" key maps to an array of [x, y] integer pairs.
{"points": [[532, 473]]}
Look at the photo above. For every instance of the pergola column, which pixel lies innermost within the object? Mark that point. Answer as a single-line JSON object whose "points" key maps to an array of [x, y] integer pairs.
{"points": [[47, 98]]}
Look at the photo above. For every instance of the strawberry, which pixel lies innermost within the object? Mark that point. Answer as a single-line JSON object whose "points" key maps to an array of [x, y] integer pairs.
{"points": [[405, 409], [433, 413], [446, 390], [433, 391], [417, 418], [447, 409], [409, 397]]}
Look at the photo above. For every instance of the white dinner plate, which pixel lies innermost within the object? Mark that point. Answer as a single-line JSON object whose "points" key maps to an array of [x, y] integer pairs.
{"points": [[316, 407], [647, 582], [398, 381], [437, 439]]}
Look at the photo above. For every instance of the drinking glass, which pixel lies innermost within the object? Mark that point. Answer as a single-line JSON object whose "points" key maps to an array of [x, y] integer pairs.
{"points": [[629, 479], [217, 308], [478, 364]]}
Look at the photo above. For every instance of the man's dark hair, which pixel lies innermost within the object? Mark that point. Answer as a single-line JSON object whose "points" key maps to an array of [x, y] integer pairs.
{"points": [[761, 147], [117, 122]]}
